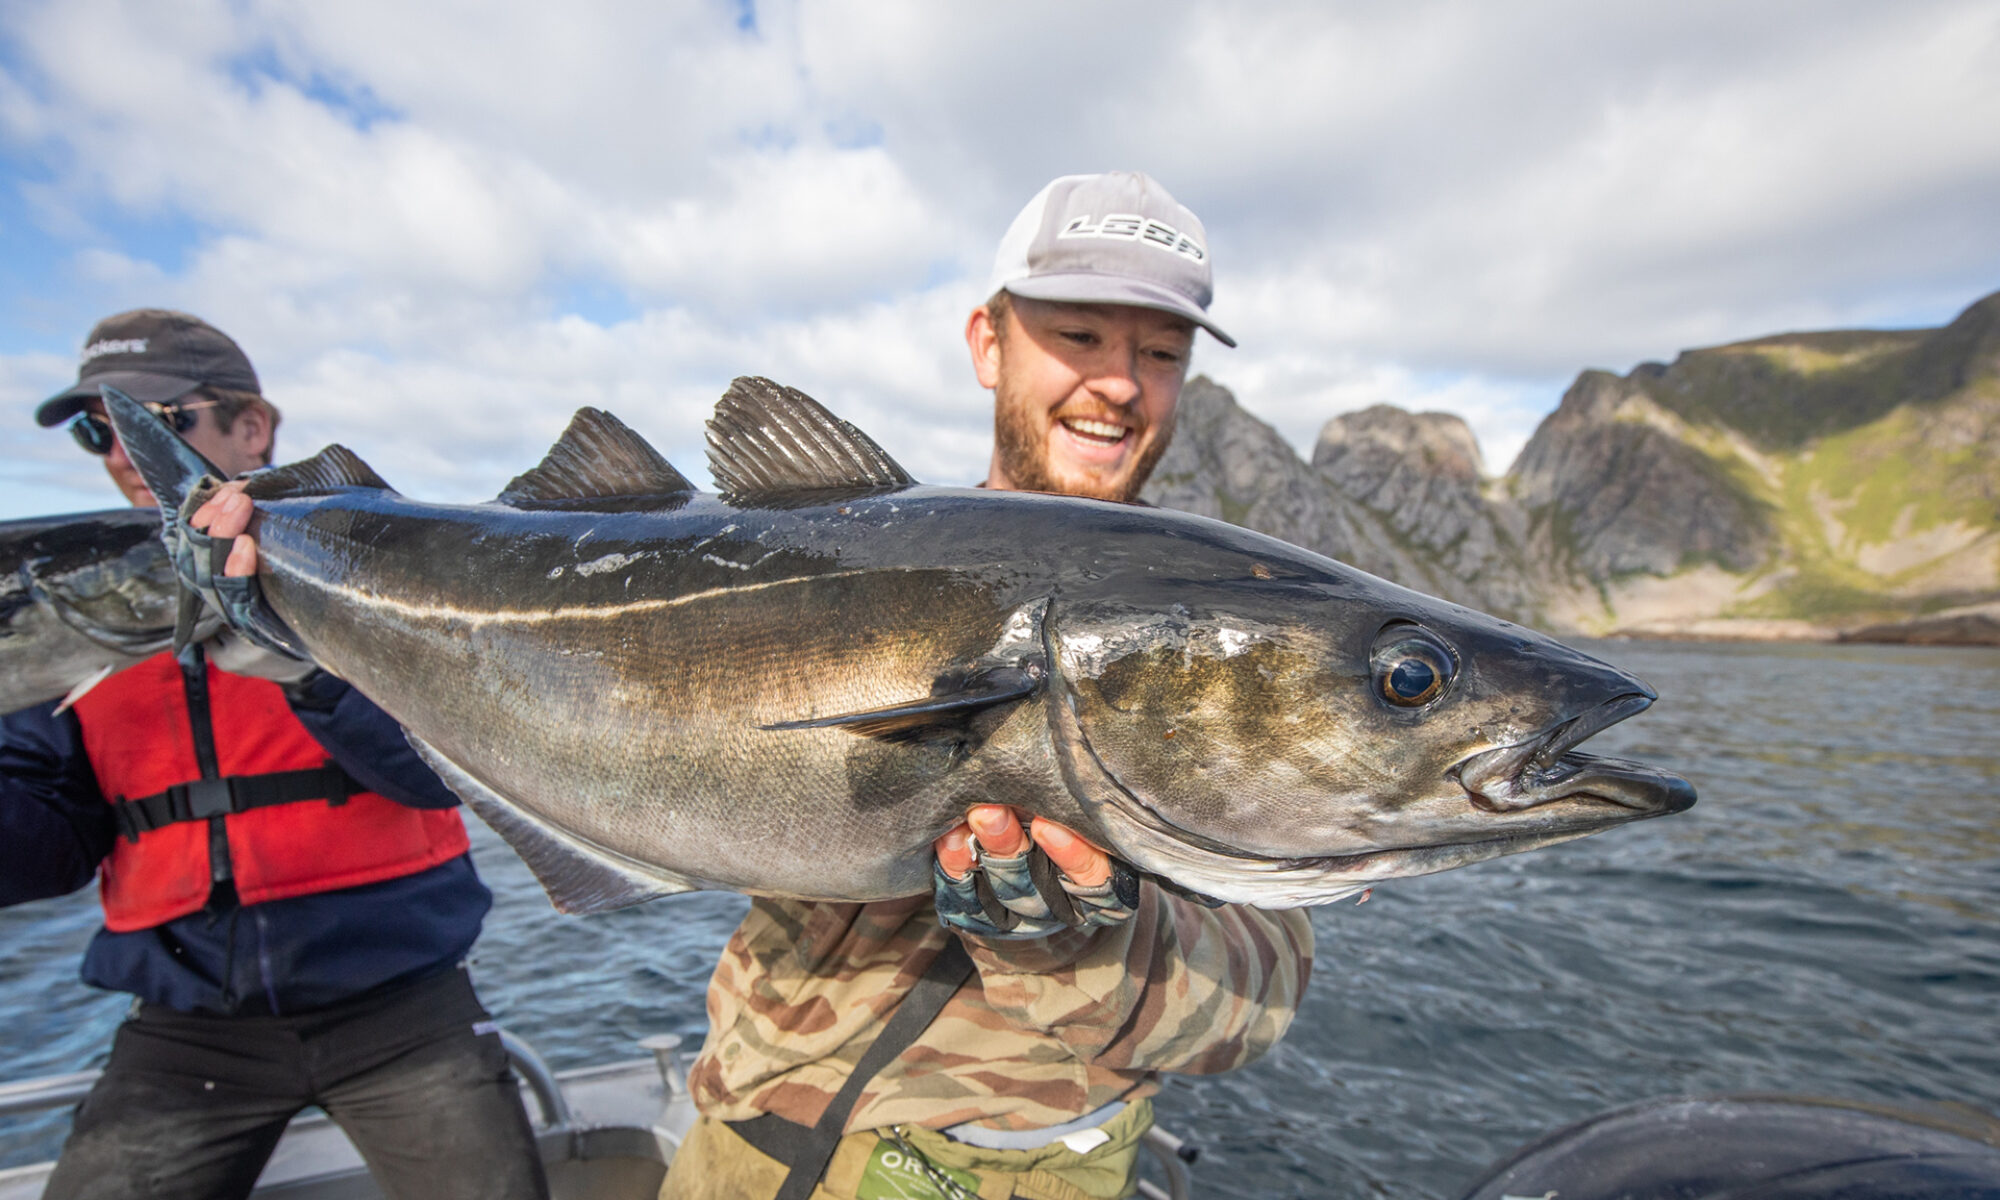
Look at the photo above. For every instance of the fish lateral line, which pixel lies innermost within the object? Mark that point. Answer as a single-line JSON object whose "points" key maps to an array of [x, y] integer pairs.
{"points": [[376, 601]]}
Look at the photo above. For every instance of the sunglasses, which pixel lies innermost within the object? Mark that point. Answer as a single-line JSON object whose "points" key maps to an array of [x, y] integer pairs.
{"points": [[94, 434]]}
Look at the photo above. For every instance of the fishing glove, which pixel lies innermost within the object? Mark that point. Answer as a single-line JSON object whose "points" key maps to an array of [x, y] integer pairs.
{"points": [[1027, 897], [198, 559]]}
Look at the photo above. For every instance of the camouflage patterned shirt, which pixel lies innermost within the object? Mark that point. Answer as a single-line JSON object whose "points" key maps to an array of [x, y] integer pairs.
{"points": [[1046, 1029]]}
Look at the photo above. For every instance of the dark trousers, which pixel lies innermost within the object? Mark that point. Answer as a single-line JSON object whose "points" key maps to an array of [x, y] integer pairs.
{"points": [[192, 1106]]}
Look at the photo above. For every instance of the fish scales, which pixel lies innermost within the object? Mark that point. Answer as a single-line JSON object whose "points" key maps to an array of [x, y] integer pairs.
{"points": [[553, 679], [793, 687]]}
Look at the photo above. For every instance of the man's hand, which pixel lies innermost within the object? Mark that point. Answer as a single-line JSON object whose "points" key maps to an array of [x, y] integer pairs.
{"points": [[1000, 836], [996, 880], [226, 514], [215, 533]]}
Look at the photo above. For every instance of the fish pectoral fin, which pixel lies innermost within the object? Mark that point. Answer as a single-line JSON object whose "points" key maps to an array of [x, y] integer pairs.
{"points": [[945, 712], [767, 440], [597, 458], [80, 690], [333, 469], [578, 875]]}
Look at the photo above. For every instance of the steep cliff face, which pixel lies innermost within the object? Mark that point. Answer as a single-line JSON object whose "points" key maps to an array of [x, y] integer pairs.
{"points": [[1809, 480], [1826, 477], [1622, 486], [1227, 464], [1421, 477]]}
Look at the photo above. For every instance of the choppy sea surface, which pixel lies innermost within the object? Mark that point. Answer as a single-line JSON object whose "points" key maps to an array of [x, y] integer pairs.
{"points": [[1825, 921]]}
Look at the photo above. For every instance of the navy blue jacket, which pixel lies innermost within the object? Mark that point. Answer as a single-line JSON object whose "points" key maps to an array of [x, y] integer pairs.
{"points": [[285, 956]]}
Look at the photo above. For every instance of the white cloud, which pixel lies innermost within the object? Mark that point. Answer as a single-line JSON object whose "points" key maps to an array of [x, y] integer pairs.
{"points": [[438, 232]]}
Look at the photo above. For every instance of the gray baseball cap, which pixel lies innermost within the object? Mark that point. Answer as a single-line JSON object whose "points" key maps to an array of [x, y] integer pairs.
{"points": [[153, 355], [1115, 238]]}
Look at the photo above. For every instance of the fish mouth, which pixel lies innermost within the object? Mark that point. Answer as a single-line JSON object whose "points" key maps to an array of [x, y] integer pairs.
{"points": [[1546, 768]]}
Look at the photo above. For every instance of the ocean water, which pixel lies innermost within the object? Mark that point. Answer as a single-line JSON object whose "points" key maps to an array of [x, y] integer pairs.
{"points": [[1826, 921]]}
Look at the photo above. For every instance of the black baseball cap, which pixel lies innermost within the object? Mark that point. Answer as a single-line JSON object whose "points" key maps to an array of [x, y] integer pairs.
{"points": [[154, 355]]}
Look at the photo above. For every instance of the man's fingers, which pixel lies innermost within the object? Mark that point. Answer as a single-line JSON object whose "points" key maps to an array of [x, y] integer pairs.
{"points": [[225, 514], [1085, 864], [242, 557], [954, 851], [997, 888], [998, 830]]}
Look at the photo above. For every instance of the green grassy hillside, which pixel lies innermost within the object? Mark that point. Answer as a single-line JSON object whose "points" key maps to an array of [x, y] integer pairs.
{"points": [[1872, 459]]}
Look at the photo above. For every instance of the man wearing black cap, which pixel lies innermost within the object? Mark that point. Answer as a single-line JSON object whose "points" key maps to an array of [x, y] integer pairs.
{"points": [[287, 890]]}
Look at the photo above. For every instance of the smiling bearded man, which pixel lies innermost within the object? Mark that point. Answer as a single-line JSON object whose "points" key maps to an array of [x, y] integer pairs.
{"points": [[995, 1038], [1097, 290]]}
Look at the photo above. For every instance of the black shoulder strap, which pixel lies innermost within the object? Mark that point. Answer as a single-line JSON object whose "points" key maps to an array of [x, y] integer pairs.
{"points": [[209, 799], [807, 1151]]}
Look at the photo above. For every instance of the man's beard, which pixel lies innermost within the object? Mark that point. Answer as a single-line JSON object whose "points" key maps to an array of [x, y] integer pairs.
{"points": [[1021, 442]]}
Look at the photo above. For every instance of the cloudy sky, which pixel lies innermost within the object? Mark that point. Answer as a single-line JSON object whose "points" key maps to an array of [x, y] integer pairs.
{"points": [[440, 227]]}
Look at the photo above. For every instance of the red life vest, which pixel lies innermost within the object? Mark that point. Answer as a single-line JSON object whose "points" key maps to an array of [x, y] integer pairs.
{"points": [[140, 739]]}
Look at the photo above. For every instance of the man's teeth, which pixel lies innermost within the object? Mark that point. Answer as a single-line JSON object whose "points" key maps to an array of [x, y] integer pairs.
{"points": [[1099, 429]]}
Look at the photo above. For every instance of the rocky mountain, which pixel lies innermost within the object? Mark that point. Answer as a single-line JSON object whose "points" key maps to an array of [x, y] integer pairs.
{"points": [[1422, 477], [1391, 503], [1796, 485]]}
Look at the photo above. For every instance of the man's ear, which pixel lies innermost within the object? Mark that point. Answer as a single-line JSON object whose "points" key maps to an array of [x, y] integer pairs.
{"points": [[982, 337], [252, 429]]}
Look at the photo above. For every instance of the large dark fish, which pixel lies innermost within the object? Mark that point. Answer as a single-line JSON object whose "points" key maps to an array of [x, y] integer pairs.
{"points": [[81, 596], [793, 687]]}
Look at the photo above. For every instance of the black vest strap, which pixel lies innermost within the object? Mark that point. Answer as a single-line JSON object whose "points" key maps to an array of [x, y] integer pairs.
{"points": [[807, 1151], [201, 799]]}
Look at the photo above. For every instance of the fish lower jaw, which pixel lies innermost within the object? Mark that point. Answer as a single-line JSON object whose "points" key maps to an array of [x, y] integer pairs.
{"points": [[1540, 788], [1150, 842], [1302, 882], [1514, 779], [1397, 862]]}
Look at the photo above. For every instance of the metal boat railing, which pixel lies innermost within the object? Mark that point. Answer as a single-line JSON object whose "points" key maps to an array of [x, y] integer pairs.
{"points": [[50, 1091]]}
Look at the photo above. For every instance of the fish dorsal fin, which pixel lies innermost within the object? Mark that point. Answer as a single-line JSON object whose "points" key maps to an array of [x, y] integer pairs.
{"points": [[767, 439], [331, 470], [597, 458]]}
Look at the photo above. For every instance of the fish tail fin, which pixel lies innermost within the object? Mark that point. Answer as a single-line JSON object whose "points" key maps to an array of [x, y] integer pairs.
{"points": [[180, 478], [171, 470], [169, 466]]}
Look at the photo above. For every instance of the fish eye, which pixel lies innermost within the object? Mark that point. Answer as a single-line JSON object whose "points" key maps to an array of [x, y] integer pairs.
{"points": [[1411, 667]]}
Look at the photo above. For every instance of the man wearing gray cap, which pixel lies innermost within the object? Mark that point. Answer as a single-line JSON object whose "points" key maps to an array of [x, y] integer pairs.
{"points": [[944, 1045], [287, 890]]}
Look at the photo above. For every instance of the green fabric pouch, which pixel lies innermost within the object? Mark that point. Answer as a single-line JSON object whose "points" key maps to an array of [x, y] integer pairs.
{"points": [[1108, 1171]]}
